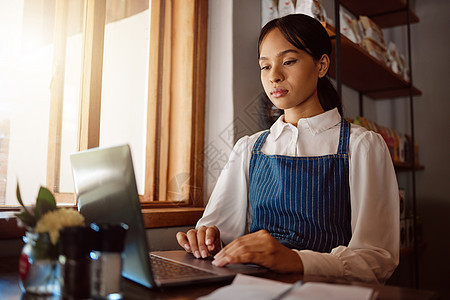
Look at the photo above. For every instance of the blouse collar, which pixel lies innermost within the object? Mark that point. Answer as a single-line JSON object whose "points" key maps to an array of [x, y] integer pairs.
{"points": [[316, 124]]}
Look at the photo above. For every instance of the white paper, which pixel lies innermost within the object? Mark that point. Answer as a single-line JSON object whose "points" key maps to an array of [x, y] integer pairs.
{"points": [[320, 291], [250, 287]]}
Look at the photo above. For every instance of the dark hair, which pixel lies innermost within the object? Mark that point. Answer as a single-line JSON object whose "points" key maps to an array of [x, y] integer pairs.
{"points": [[308, 34]]}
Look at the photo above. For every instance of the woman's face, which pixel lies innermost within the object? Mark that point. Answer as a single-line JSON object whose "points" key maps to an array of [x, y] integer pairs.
{"points": [[289, 75]]}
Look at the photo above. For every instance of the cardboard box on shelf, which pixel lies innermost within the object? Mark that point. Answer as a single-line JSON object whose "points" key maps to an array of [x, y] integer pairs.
{"points": [[375, 50], [286, 7], [372, 31], [313, 8], [269, 11], [348, 27]]}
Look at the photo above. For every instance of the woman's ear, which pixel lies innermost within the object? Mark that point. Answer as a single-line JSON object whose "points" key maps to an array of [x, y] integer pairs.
{"points": [[324, 65]]}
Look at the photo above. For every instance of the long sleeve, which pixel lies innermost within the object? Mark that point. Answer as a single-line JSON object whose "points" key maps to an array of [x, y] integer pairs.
{"points": [[227, 206], [373, 251]]}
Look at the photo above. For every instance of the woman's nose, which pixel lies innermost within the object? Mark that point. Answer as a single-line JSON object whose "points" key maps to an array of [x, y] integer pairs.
{"points": [[276, 75]]}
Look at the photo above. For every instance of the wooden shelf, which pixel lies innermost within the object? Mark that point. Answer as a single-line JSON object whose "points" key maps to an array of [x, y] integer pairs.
{"points": [[399, 166], [410, 250], [363, 72], [385, 13]]}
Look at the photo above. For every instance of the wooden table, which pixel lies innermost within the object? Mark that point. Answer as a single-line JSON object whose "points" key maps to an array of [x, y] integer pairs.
{"points": [[10, 290]]}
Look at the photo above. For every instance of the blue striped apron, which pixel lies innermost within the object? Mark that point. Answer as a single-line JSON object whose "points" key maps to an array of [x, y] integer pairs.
{"points": [[303, 202]]}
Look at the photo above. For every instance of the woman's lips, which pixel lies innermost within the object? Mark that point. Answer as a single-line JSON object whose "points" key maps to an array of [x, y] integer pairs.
{"points": [[277, 93]]}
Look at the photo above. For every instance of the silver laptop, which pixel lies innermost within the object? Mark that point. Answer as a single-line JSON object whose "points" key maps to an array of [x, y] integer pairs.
{"points": [[106, 191]]}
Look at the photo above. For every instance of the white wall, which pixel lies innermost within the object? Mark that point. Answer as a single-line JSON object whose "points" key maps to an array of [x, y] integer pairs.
{"points": [[219, 135], [233, 84], [246, 74]]}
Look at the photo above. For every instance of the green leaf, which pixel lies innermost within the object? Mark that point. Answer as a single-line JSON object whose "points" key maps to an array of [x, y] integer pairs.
{"points": [[45, 202], [19, 198], [26, 218]]}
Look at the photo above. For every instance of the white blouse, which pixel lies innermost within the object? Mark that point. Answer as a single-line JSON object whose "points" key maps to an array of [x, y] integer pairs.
{"points": [[373, 251]]}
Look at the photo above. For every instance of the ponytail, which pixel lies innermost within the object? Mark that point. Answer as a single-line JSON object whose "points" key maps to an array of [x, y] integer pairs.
{"points": [[328, 95]]}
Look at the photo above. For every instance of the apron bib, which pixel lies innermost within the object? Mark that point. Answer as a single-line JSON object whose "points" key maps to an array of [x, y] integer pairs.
{"points": [[303, 202]]}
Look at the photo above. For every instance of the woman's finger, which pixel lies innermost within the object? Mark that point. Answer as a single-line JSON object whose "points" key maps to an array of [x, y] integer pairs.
{"points": [[193, 244], [212, 239], [201, 237], [183, 241]]}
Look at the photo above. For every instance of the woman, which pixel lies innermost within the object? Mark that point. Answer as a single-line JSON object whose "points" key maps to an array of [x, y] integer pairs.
{"points": [[314, 194]]}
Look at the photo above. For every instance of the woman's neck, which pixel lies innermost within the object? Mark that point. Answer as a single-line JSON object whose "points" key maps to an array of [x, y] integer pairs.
{"points": [[292, 115]]}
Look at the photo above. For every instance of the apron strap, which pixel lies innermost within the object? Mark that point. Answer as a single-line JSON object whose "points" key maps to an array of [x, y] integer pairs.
{"points": [[344, 137], [260, 141]]}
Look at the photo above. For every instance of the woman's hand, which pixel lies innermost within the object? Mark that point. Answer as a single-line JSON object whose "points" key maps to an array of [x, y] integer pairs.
{"points": [[262, 249], [201, 242]]}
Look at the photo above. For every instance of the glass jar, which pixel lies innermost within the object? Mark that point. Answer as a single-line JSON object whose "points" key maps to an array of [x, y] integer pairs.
{"points": [[38, 266]]}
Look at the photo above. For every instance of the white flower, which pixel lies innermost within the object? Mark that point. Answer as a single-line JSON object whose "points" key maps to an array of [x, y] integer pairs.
{"points": [[57, 219]]}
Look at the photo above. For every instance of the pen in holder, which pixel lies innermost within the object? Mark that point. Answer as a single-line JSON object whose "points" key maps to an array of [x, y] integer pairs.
{"points": [[106, 260]]}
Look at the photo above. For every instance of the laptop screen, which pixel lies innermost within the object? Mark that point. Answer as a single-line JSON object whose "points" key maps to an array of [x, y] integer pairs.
{"points": [[106, 191]]}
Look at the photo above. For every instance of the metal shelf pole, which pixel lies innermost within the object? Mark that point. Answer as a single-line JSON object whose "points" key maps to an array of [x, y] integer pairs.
{"points": [[411, 110], [338, 48]]}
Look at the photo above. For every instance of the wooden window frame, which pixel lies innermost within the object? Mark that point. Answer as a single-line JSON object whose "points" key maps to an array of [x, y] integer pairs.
{"points": [[176, 103], [176, 106]]}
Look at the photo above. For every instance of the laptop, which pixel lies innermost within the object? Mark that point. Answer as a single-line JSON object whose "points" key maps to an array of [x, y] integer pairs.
{"points": [[106, 191]]}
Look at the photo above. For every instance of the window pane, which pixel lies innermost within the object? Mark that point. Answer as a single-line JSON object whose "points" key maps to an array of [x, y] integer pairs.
{"points": [[26, 29], [71, 104], [125, 82]]}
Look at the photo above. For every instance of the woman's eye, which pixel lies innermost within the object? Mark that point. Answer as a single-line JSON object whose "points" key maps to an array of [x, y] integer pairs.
{"points": [[289, 62], [264, 68]]}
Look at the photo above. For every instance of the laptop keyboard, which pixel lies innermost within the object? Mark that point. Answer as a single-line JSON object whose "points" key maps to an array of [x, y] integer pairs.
{"points": [[165, 269]]}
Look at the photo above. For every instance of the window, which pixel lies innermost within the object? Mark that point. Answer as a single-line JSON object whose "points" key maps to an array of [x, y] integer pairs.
{"points": [[96, 59], [36, 40]]}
